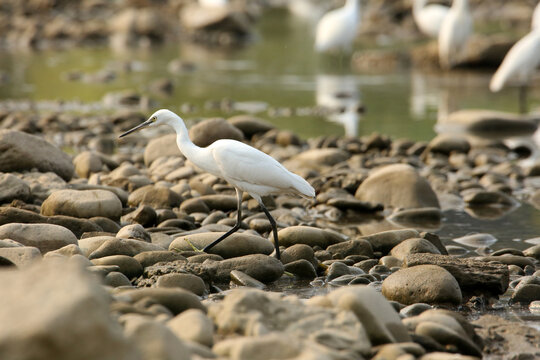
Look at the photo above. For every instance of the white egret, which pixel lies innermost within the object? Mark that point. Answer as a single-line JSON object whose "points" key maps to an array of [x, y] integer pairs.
{"points": [[429, 17], [455, 31], [536, 17], [337, 28], [213, 3], [519, 65], [246, 168]]}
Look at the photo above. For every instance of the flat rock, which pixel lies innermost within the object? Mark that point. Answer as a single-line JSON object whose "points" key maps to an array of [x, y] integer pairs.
{"points": [[149, 258], [128, 265], [491, 123], [45, 237], [308, 235], [83, 204], [429, 284], [116, 246], [176, 300], [23, 152], [473, 276], [397, 186], [237, 244]]}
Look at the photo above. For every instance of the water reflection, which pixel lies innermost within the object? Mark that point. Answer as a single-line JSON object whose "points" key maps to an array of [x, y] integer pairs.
{"points": [[339, 97]]}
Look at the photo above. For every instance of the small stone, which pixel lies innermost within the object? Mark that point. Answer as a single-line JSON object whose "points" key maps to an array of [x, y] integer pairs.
{"points": [[193, 325], [128, 265], [189, 282], [301, 268], [176, 300]]}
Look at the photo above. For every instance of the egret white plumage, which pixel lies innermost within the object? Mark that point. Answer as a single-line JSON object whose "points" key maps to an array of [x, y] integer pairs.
{"points": [[246, 168], [519, 65], [455, 31], [213, 3], [429, 17], [336, 30]]}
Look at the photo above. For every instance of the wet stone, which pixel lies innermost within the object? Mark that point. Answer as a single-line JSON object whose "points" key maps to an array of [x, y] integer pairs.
{"points": [[301, 268]]}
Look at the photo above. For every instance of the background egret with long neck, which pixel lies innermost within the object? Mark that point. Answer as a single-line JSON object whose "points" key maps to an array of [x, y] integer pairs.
{"points": [[246, 168]]}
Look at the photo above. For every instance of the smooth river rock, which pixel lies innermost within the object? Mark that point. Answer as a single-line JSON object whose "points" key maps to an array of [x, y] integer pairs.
{"points": [[397, 186], [83, 204], [308, 235], [23, 152], [237, 244], [45, 237], [429, 284]]}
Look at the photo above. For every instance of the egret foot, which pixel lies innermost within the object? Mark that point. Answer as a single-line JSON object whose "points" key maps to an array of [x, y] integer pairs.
{"points": [[193, 246]]}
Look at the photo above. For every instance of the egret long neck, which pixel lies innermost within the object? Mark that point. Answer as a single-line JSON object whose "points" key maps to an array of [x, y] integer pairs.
{"points": [[196, 154]]}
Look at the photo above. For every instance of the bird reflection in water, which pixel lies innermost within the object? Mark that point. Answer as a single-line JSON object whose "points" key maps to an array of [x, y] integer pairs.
{"points": [[339, 99]]}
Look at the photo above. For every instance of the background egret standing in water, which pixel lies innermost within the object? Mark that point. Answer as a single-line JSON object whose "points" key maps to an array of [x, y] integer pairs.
{"points": [[337, 28], [429, 17], [246, 168], [519, 65], [455, 31]]}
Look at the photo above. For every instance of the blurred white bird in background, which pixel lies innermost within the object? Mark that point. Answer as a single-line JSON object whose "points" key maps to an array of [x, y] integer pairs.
{"points": [[520, 63], [455, 31], [429, 17], [337, 28], [536, 17], [339, 96], [213, 3]]}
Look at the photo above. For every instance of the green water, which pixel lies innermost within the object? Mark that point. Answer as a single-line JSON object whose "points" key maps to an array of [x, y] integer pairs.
{"points": [[278, 67]]}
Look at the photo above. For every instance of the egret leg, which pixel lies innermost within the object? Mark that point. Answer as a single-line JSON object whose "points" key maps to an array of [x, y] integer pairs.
{"points": [[274, 229], [523, 99], [236, 226]]}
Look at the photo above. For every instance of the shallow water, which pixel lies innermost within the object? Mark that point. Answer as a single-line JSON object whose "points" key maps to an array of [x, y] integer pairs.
{"points": [[279, 78]]}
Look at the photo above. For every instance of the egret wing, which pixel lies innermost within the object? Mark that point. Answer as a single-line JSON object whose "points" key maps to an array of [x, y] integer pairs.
{"points": [[239, 162]]}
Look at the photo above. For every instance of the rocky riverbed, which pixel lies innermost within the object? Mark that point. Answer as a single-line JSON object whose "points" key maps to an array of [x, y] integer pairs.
{"points": [[97, 261]]}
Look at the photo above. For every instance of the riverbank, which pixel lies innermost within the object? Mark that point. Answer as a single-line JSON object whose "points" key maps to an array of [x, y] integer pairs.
{"points": [[124, 211]]}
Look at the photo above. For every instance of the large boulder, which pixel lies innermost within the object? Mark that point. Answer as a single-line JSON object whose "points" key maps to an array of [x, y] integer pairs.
{"points": [[45, 237], [20, 151], [397, 186], [83, 204], [48, 308]]}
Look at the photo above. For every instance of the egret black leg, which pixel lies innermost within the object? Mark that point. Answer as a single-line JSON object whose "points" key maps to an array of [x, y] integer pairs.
{"points": [[236, 226], [274, 229], [523, 99]]}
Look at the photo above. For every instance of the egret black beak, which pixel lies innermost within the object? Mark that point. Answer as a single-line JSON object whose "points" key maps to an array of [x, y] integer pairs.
{"points": [[138, 127]]}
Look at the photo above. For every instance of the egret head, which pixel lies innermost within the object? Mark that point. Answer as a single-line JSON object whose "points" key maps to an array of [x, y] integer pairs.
{"points": [[160, 117]]}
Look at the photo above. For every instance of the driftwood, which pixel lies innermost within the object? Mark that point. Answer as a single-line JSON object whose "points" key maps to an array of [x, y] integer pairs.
{"points": [[474, 276]]}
